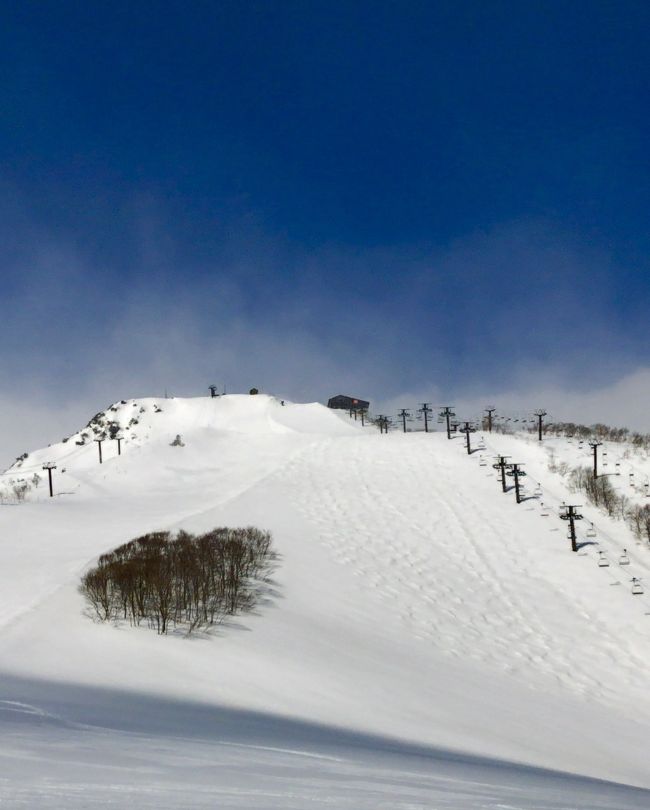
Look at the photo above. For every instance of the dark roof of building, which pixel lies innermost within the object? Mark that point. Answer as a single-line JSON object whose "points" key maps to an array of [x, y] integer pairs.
{"points": [[348, 401]]}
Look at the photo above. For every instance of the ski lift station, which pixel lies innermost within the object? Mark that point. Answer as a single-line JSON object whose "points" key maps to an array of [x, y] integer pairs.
{"points": [[347, 403]]}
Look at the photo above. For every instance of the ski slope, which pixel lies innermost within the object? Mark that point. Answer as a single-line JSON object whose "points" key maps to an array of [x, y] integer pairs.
{"points": [[429, 643]]}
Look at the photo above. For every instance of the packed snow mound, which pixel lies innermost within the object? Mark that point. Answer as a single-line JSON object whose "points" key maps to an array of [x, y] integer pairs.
{"points": [[202, 424], [140, 420], [413, 601]]}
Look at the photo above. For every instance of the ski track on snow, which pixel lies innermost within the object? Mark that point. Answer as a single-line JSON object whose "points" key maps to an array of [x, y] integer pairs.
{"points": [[389, 544]]}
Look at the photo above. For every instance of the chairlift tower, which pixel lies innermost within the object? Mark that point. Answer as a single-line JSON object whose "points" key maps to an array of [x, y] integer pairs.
{"points": [[404, 415], [426, 410], [49, 466], [467, 429], [617, 467], [595, 445], [502, 465], [119, 440], [447, 413], [363, 412], [571, 515], [99, 447], [382, 421], [540, 416], [489, 411], [516, 473]]}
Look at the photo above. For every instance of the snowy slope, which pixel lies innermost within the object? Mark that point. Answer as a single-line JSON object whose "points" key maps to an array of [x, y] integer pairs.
{"points": [[428, 638]]}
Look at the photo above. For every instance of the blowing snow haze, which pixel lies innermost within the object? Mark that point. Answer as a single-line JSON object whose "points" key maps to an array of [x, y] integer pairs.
{"points": [[424, 203]]}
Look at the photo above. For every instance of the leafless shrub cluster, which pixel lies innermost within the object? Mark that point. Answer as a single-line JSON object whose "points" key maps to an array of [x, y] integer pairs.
{"points": [[570, 430], [184, 580], [560, 467], [599, 431], [599, 491], [638, 518]]}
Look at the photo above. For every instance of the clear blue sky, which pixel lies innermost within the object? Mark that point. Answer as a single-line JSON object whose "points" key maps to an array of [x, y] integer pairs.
{"points": [[314, 196]]}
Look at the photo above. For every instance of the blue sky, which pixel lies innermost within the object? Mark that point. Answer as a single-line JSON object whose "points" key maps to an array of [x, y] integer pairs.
{"points": [[383, 197]]}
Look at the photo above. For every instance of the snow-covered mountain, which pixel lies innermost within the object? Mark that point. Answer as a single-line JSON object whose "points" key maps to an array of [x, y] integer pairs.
{"points": [[428, 643]]}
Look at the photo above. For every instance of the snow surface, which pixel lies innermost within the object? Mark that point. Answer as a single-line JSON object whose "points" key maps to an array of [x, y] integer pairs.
{"points": [[428, 643]]}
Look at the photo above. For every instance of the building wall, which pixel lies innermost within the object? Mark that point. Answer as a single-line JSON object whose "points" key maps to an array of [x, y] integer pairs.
{"points": [[344, 402]]}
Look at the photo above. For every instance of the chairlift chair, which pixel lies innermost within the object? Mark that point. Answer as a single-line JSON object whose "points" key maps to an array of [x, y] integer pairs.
{"points": [[637, 587], [624, 559], [544, 510], [537, 491], [603, 562], [591, 531]]}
